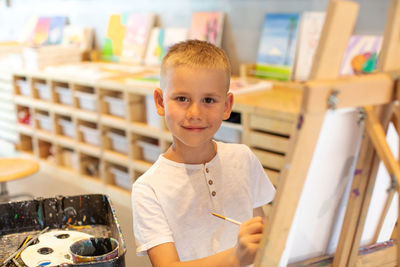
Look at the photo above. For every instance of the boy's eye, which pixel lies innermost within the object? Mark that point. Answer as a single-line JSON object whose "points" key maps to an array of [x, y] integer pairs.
{"points": [[209, 100], [182, 99]]}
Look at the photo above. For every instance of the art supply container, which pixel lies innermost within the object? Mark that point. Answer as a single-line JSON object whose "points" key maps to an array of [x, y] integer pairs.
{"points": [[94, 249], [92, 214]]}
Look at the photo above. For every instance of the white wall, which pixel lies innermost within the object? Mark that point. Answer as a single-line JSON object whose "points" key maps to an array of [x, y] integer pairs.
{"points": [[242, 25]]}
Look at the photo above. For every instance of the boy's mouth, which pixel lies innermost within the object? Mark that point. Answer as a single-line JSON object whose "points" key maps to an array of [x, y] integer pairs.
{"points": [[194, 128]]}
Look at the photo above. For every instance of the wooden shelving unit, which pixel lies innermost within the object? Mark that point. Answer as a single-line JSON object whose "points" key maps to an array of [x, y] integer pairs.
{"points": [[105, 128], [8, 116]]}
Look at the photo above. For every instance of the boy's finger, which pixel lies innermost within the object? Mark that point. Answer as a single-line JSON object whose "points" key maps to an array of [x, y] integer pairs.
{"points": [[252, 239], [253, 228]]}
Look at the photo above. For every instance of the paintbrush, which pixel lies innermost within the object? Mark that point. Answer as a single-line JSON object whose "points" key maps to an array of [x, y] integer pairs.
{"points": [[225, 218], [24, 247]]}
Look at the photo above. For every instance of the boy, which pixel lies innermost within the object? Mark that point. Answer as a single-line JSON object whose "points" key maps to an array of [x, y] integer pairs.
{"points": [[173, 201]]}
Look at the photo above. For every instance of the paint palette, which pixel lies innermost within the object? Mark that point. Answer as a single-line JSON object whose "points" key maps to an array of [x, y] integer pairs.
{"points": [[52, 248], [69, 218]]}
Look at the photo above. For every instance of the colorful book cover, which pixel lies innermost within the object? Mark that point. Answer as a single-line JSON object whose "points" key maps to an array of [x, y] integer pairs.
{"points": [[309, 33], [80, 37], [138, 30], [41, 33], [160, 41], [207, 26], [115, 34], [56, 29], [361, 54], [277, 46]]}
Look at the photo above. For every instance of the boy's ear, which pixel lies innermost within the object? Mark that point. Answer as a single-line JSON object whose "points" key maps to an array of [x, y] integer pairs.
{"points": [[159, 101], [228, 106]]}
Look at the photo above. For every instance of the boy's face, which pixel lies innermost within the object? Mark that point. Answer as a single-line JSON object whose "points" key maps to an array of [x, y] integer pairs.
{"points": [[194, 103]]}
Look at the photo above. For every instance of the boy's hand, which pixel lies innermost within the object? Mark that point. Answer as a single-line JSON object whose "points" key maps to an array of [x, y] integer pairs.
{"points": [[249, 237]]}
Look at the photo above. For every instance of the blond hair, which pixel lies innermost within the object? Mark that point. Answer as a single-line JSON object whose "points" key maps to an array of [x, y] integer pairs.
{"points": [[195, 53]]}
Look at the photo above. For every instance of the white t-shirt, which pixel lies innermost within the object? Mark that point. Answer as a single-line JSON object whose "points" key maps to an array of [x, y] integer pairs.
{"points": [[173, 202]]}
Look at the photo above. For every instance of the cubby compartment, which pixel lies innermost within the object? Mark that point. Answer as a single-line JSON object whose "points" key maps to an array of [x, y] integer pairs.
{"points": [[43, 120], [152, 117], [148, 149], [112, 103], [137, 108], [229, 133], [68, 158], [119, 176], [46, 150], [25, 143], [41, 90], [63, 94], [86, 98], [24, 115], [88, 132], [22, 86], [65, 126], [89, 165], [116, 140]]}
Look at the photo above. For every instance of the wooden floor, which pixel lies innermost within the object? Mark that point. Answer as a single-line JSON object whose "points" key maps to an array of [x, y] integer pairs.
{"points": [[48, 182]]}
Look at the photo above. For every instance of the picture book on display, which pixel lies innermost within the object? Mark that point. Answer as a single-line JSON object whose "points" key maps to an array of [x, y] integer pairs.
{"points": [[41, 32], [138, 28], [80, 37], [207, 26], [160, 41], [361, 54], [310, 28], [277, 46], [56, 28], [115, 34]]}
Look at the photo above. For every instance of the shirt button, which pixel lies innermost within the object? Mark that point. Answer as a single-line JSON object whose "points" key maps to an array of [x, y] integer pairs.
{"points": [[207, 171], [210, 182], [213, 193]]}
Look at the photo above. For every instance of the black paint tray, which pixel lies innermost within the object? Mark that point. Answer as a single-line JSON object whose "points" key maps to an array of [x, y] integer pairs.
{"points": [[92, 214]]}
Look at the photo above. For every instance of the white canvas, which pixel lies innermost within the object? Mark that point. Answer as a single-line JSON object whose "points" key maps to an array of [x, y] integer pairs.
{"points": [[320, 202]]}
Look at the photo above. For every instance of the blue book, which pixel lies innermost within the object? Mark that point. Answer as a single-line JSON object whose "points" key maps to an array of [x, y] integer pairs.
{"points": [[56, 30], [277, 46]]}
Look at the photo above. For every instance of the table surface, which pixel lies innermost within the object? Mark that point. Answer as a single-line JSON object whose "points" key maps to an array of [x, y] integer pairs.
{"points": [[16, 168]]}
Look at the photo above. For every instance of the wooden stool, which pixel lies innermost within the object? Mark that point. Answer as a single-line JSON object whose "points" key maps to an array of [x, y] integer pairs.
{"points": [[13, 169]]}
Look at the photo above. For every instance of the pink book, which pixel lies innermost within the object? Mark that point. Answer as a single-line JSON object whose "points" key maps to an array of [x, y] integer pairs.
{"points": [[137, 34], [41, 33], [207, 26]]}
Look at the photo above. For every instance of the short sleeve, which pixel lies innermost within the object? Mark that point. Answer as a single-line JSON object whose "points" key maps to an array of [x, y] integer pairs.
{"points": [[149, 223], [263, 190]]}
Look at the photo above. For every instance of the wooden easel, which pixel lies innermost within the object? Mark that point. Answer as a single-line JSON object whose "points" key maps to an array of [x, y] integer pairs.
{"points": [[376, 93]]}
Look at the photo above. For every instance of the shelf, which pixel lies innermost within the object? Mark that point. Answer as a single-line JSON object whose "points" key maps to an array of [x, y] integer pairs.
{"points": [[65, 141], [24, 100], [89, 149], [143, 129], [263, 127], [25, 129], [64, 110], [87, 115], [116, 158], [113, 121], [44, 135]]}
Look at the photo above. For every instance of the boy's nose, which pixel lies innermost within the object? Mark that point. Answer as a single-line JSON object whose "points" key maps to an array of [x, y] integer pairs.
{"points": [[193, 111]]}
